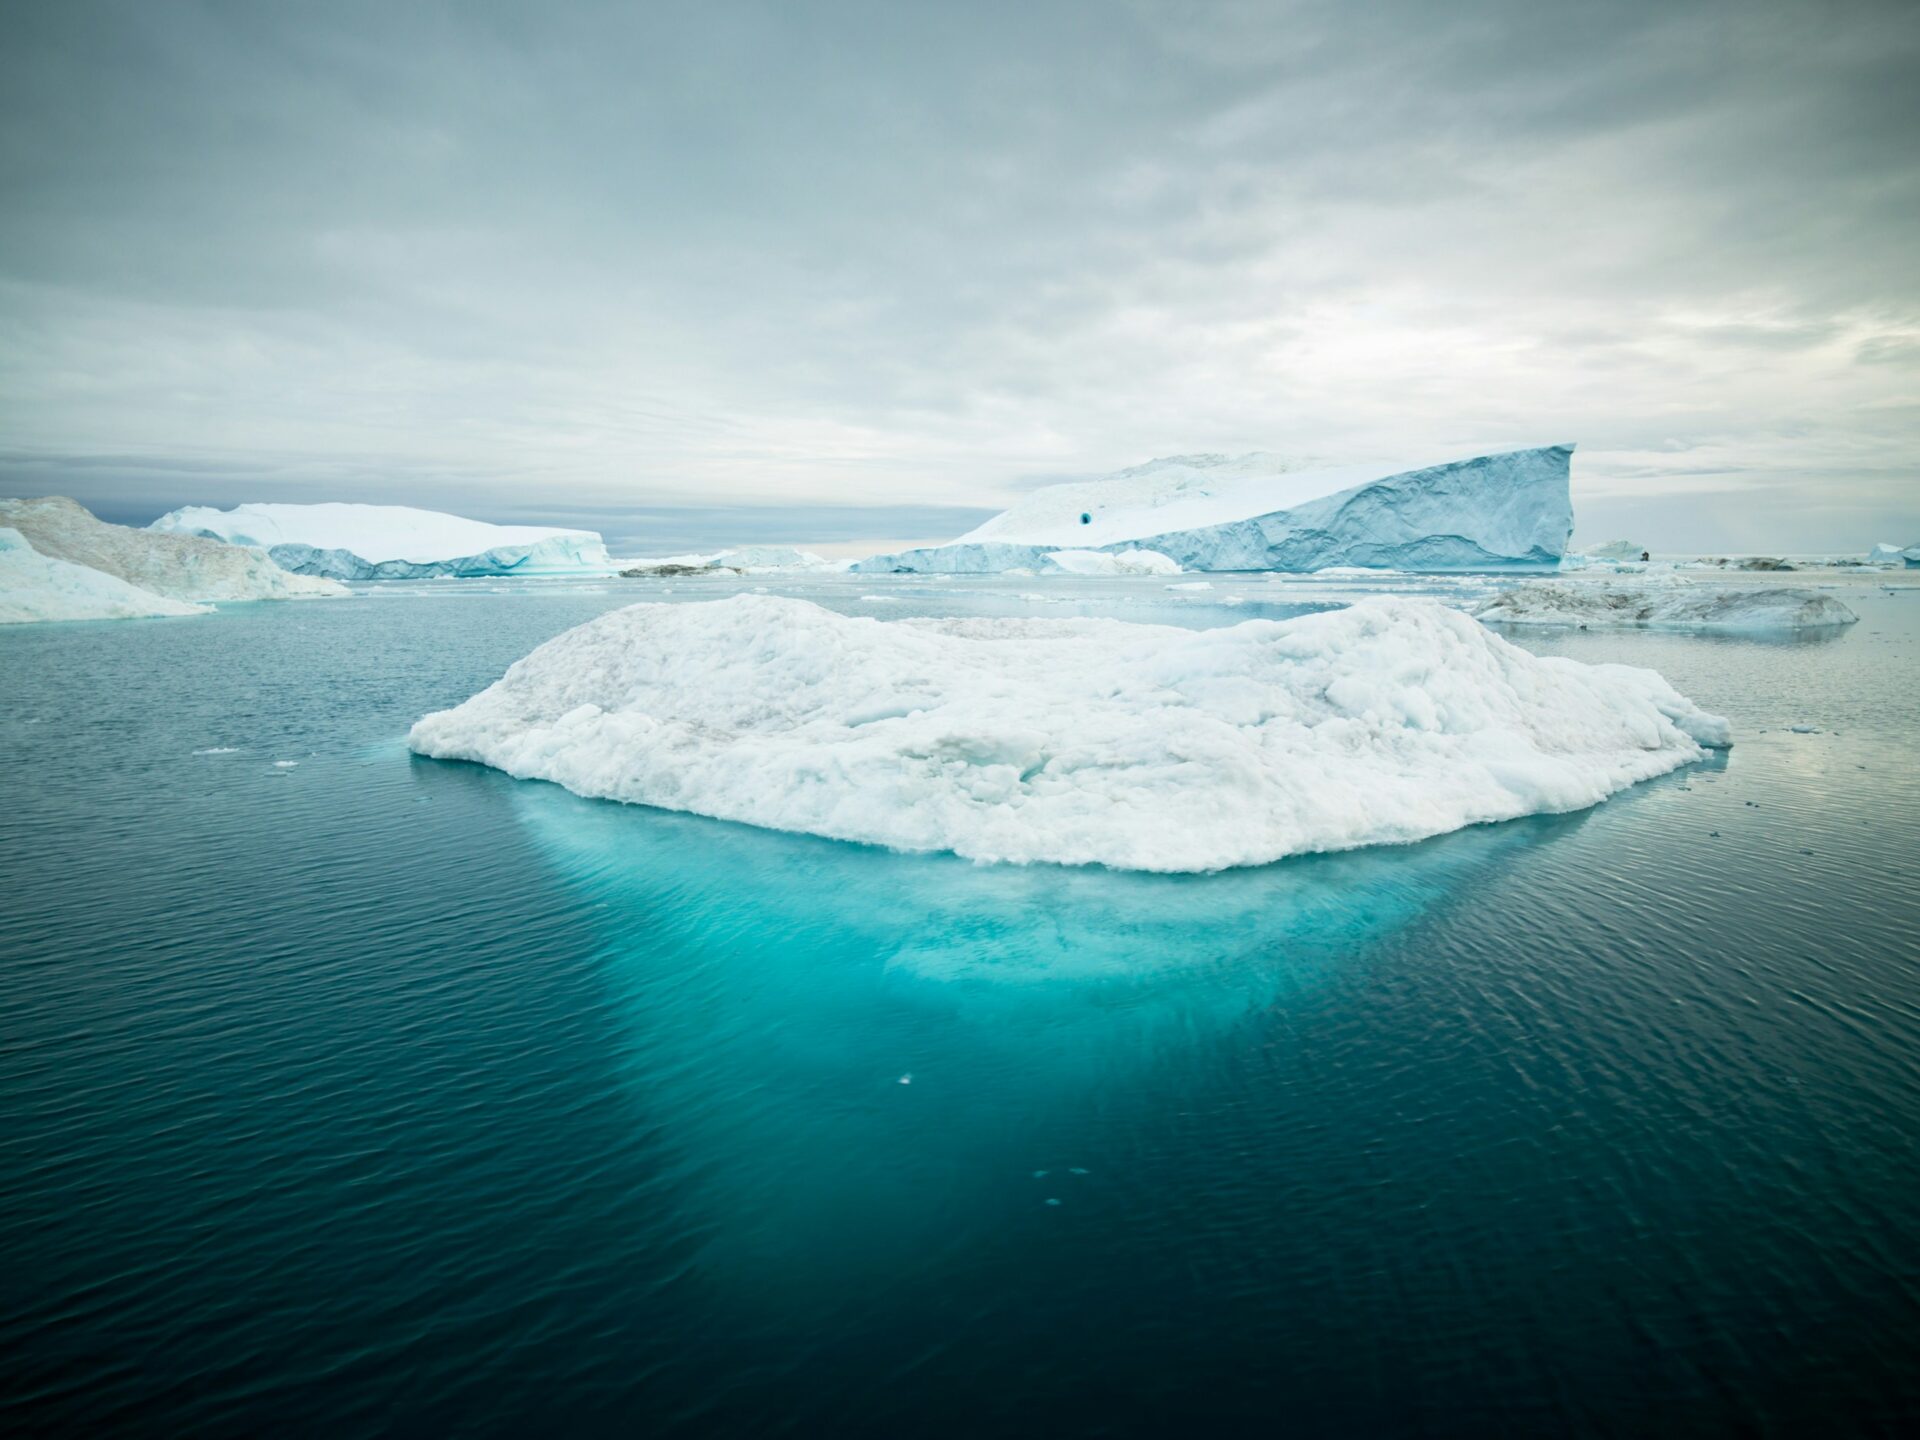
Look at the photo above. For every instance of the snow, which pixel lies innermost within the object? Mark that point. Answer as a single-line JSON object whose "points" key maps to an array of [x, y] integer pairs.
{"points": [[765, 559], [1675, 604], [746, 560], [1119, 562], [1075, 741], [1256, 512], [392, 542], [36, 587], [1614, 550], [181, 567]]}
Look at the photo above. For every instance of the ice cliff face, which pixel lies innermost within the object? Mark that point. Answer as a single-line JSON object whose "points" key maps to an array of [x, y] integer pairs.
{"points": [[392, 542], [36, 587], [181, 567], [1210, 512], [1677, 604], [1073, 741]]}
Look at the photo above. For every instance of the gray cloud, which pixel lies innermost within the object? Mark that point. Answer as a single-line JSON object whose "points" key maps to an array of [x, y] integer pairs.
{"points": [[883, 256]]}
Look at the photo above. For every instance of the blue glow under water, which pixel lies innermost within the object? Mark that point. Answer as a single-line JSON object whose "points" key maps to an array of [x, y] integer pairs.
{"points": [[371, 1092]]}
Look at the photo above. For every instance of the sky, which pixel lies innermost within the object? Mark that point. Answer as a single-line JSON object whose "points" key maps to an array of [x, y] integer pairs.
{"points": [[861, 274]]}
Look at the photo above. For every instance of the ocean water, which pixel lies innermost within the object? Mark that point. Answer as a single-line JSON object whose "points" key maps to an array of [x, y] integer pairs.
{"points": [[343, 1091]]}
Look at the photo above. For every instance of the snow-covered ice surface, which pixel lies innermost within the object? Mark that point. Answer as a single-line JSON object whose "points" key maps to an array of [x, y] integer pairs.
{"points": [[1674, 603], [745, 560], [392, 542], [1254, 512], [1884, 554], [35, 587], [1077, 741], [1102, 562], [181, 567]]}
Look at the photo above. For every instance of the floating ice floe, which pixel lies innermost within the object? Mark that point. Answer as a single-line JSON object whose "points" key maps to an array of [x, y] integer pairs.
{"points": [[1074, 741], [36, 587], [1675, 604], [180, 567], [1258, 512], [392, 542]]}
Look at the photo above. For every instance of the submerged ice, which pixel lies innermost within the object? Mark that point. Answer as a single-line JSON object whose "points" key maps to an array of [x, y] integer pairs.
{"points": [[1073, 741]]}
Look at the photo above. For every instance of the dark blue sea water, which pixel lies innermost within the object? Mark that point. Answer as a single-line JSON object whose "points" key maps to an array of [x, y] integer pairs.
{"points": [[375, 1094]]}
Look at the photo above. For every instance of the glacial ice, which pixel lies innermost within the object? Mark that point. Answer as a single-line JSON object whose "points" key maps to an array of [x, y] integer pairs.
{"points": [[35, 587], [1074, 741], [1252, 512], [1102, 562], [1614, 550], [745, 560], [180, 567], [392, 542], [1676, 604], [1884, 554]]}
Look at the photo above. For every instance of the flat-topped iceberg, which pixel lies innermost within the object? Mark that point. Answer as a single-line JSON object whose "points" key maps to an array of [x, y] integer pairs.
{"points": [[180, 567], [392, 542], [1078, 741], [35, 587], [1108, 562], [746, 560], [1676, 604], [1253, 512]]}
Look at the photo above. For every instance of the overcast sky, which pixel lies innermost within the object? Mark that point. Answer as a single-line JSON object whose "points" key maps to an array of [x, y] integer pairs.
{"points": [[849, 272]]}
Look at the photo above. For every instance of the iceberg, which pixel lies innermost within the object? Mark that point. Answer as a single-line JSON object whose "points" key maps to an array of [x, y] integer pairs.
{"points": [[747, 560], [1073, 741], [1102, 562], [180, 567], [36, 587], [1675, 605], [1894, 555], [1615, 550], [392, 542], [1253, 512]]}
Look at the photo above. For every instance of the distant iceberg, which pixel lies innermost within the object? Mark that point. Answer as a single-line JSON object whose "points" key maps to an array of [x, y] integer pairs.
{"points": [[36, 587], [1894, 555], [1109, 562], [746, 560], [180, 567], [1673, 605], [1253, 512], [392, 542], [1140, 747]]}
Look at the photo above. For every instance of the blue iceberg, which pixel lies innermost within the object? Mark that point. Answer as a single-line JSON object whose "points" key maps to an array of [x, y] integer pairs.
{"points": [[1512, 510]]}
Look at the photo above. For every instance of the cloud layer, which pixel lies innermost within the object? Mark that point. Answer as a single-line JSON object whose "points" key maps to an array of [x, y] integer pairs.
{"points": [[884, 257]]}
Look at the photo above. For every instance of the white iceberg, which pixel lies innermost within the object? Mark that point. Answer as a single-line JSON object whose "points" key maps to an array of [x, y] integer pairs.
{"points": [[746, 560], [1674, 605], [1614, 550], [392, 542], [1102, 562], [1894, 555], [1080, 741], [35, 587], [1253, 512], [181, 567]]}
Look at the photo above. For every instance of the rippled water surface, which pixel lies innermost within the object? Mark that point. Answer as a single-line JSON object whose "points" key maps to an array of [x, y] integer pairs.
{"points": [[365, 1092]]}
